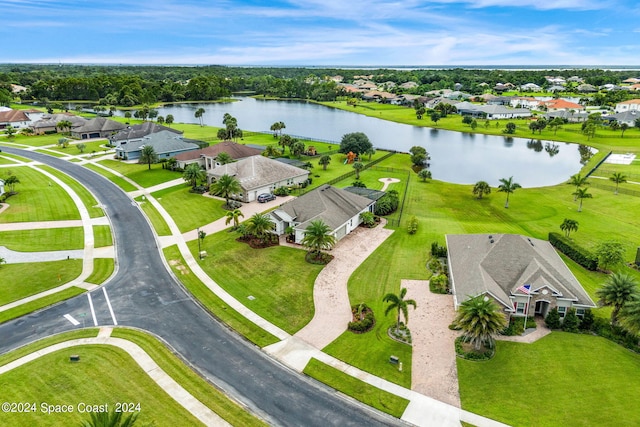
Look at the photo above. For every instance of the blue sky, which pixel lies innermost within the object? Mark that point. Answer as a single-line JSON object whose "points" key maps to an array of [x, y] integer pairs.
{"points": [[322, 32]]}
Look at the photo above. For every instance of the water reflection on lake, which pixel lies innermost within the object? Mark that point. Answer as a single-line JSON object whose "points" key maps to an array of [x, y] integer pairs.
{"points": [[457, 157]]}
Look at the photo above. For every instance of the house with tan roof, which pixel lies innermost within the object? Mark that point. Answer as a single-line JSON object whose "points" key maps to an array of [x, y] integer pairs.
{"points": [[206, 157], [523, 275], [259, 174], [632, 104], [561, 104], [17, 119], [99, 127], [338, 208]]}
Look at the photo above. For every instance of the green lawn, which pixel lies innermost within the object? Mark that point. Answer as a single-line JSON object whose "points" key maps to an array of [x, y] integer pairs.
{"points": [[367, 394], [46, 342], [22, 280], [157, 221], [102, 236], [209, 395], [73, 150], [102, 270], [214, 304], [189, 210], [279, 278], [36, 140], [40, 303], [87, 198], [43, 239], [7, 161], [578, 380], [36, 200], [119, 181], [56, 380], [141, 174]]}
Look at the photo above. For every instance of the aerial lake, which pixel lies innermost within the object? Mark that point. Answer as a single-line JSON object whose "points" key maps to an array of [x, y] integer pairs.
{"points": [[457, 157]]}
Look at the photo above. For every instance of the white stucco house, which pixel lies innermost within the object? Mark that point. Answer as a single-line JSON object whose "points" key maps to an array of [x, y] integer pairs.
{"points": [[632, 104], [337, 208]]}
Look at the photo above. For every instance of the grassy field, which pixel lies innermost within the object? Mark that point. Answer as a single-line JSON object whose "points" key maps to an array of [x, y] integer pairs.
{"points": [[141, 174], [102, 236], [87, 198], [22, 280], [43, 239], [102, 270], [189, 210], [73, 150], [56, 380], [367, 394], [278, 278], [214, 304], [36, 200], [157, 221], [584, 381], [119, 181]]}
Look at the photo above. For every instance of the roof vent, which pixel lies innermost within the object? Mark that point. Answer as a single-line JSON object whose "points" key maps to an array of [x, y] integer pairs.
{"points": [[491, 241], [490, 236]]}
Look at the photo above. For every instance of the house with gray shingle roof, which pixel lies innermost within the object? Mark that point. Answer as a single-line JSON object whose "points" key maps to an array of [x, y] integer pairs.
{"points": [[499, 265], [99, 127], [337, 208], [166, 144], [139, 131], [259, 174], [48, 122]]}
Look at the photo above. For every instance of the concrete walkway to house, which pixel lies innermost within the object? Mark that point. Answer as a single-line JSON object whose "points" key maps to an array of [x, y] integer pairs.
{"points": [[150, 367], [433, 370], [530, 335]]}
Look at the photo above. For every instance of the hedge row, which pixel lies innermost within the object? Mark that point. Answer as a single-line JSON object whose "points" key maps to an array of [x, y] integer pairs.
{"points": [[573, 251]]}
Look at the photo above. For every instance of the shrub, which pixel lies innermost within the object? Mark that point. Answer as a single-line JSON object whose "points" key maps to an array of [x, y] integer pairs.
{"points": [[435, 266], [199, 189], [368, 219], [573, 251], [473, 355], [281, 191], [571, 321], [438, 251], [358, 184], [412, 228], [387, 204], [553, 319], [587, 322], [367, 319], [439, 284]]}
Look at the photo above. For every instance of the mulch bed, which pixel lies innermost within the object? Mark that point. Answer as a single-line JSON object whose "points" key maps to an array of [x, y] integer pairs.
{"points": [[257, 243]]}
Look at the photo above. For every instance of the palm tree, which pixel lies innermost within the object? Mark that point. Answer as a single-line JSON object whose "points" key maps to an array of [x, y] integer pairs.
{"points": [[508, 186], [223, 158], [260, 225], [234, 216], [618, 178], [619, 289], [578, 181], [569, 225], [194, 173], [480, 320], [397, 302], [64, 124], [297, 148], [370, 152], [271, 151], [111, 419], [481, 188], [424, 174], [199, 112], [324, 161], [317, 237], [169, 119], [11, 182], [581, 193], [630, 316], [148, 155], [358, 166], [225, 186]]}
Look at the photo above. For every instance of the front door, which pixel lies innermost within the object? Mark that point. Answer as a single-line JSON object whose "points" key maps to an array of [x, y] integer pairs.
{"points": [[542, 307]]}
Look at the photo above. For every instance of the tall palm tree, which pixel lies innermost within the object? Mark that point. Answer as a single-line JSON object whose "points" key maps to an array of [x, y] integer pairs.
{"points": [[324, 161], [271, 151], [225, 186], [370, 152], [11, 181], [260, 225], [397, 302], [64, 124], [148, 155], [508, 186], [481, 188], [358, 166], [317, 237], [630, 316], [234, 216], [569, 225], [619, 289], [194, 173], [618, 178], [199, 112], [582, 193], [223, 158], [578, 181], [480, 320]]}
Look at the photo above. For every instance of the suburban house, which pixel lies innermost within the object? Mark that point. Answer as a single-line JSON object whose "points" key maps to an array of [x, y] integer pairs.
{"points": [[337, 208], [48, 122], [568, 115], [561, 104], [627, 117], [491, 112], [17, 119], [530, 87], [206, 157], [259, 174], [525, 276], [166, 144], [137, 132], [632, 104], [99, 127], [525, 102]]}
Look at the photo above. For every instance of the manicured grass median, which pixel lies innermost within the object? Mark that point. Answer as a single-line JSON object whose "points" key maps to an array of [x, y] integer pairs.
{"points": [[43, 239], [367, 394], [39, 303], [102, 236], [102, 270], [141, 174], [157, 221], [563, 379], [87, 198], [119, 181], [57, 381], [189, 210]]}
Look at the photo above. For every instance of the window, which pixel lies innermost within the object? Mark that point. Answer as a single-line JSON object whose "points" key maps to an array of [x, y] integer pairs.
{"points": [[520, 308], [580, 312], [562, 311]]}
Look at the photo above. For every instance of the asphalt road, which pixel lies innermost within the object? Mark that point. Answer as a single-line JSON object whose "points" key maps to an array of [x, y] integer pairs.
{"points": [[145, 295]]}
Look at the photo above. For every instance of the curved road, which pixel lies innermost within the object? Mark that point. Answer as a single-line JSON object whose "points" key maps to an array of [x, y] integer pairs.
{"points": [[145, 295]]}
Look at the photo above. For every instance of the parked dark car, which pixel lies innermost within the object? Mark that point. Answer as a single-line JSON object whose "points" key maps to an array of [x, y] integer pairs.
{"points": [[266, 197]]}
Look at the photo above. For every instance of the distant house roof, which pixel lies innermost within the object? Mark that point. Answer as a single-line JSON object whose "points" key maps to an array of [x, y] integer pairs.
{"points": [[139, 131], [13, 116], [628, 117], [51, 120], [331, 205], [561, 104], [586, 88], [99, 124], [162, 142], [500, 263], [257, 172], [233, 149]]}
